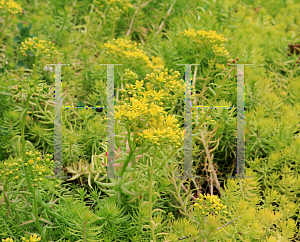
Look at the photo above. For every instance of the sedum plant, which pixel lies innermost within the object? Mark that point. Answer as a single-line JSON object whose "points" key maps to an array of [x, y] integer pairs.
{"points": [[113, 220], [8, 8], [110, 12], [38, 50], [264, 207], [207, 39]]}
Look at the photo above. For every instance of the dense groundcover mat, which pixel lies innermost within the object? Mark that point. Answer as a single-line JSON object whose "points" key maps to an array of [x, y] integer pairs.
{"points": [[149, 197]]}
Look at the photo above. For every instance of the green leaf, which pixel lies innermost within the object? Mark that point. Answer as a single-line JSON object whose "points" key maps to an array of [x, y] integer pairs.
{"points": [[44, 232], [27, 222], [75, 177], [80, 104], [20, 26], [20, 63], [106, 184], [25, 110], [24, 32], [132, 182], [159, 210], [212, 91], [29, 26], [124, 189], [17, 39], [45, 221]]}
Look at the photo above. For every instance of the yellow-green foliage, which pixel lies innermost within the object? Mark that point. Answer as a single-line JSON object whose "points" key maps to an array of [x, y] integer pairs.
{"points": [[149, 38]]}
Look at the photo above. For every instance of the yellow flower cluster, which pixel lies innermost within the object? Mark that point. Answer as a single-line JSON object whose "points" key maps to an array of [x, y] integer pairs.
{"points": [[146, 96], [208, 38], [10, 6], [171, 216], [114, 7], [171, 86], [129, 49], [129, 75], [33, 238], [160, 133], [10, 170], [158, 127], [39, 91], [156, 62], [41, 47], [220, 66], [211, 204], [39, 170], [144, 107]]}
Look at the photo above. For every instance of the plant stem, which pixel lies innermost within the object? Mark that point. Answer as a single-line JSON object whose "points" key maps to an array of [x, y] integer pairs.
{"points": [[126, 163], [6, 198], [23, 125], [132, 20], [213, 174], [26, 168], [150, 195], [130, 153], [34, 71]]}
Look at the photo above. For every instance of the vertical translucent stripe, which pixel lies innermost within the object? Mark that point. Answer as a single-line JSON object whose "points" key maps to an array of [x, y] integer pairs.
{"points": [[188, 163], [110, 121], [240, 164], [57, 123]]}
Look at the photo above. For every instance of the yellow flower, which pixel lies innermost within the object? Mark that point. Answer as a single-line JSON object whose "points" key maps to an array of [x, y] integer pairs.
{"points": [[138, 84], [207, 38], [129, 49], [7, 240], [10, 6], [34, 238], [40, 47]]}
